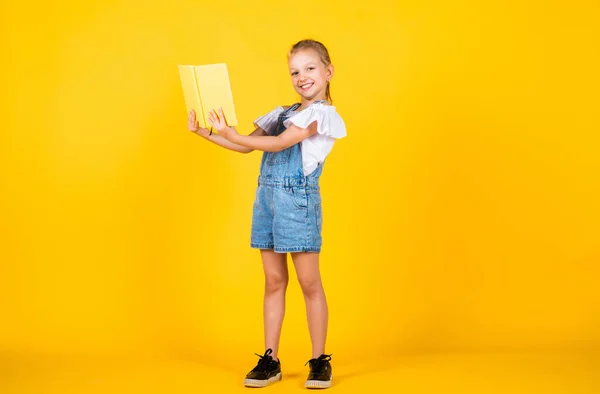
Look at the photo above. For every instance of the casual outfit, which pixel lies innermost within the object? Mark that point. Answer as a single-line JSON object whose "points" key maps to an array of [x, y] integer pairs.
{"points": [[287, 214]]}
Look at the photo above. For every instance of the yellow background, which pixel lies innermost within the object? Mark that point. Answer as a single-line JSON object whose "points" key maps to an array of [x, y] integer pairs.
{"points": [[460, 214]]}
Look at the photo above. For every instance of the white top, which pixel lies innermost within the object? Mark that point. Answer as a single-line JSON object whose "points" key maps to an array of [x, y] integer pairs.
{"points": [[330, 126]]}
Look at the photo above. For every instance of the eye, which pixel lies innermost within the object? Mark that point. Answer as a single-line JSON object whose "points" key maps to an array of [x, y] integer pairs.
{"points": [[295, 73], [311, 68]]}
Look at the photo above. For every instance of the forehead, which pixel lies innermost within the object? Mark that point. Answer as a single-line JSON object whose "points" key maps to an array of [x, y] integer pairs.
{"points": [[303, 57]]}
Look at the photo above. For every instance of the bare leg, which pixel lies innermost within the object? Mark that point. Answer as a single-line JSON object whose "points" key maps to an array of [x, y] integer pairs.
{"points": [[276, 281], [309, 277]]}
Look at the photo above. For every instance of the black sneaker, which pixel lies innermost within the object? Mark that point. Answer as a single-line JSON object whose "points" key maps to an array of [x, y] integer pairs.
{"points": [[320, 374], [266, 371]]}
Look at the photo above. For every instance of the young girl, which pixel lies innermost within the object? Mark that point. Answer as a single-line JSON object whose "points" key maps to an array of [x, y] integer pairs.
{"points": [[286, 215]]}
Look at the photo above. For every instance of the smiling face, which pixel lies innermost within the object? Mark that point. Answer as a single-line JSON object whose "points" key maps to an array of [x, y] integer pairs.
{"points": [[309, 74]]}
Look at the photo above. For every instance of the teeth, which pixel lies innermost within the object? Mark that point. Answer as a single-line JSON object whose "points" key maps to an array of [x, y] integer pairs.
{"points": [[306, 85]]}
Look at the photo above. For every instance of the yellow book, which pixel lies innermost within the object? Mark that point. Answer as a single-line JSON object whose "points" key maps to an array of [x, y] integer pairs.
{"points": [[207, 87]]}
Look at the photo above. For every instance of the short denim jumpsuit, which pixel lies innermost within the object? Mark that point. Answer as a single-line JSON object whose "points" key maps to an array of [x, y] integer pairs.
{"points": [[287, 215]]}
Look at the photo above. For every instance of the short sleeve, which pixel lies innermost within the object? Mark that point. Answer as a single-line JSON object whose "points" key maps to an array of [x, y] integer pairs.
{"points": [[329, 122], [268, 122]]}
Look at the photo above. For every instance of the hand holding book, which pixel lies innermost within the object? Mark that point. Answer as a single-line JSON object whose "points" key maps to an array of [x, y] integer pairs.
{"points": [[219, 123], [194, 127]]}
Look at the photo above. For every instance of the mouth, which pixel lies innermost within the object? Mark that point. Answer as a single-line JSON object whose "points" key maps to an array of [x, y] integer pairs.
{"points": [[306, 86]]}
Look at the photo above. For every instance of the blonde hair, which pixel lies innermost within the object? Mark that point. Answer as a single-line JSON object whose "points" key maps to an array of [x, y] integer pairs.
{"points": [[321, 51]]}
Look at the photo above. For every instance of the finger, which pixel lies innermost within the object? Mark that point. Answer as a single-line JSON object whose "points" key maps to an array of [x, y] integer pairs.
{"points": [[222, 115]]}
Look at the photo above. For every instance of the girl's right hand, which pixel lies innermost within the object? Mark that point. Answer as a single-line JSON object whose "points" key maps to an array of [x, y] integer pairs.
{"points": [[194, 127]]}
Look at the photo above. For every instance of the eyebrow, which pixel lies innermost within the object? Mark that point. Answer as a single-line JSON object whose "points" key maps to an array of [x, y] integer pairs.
{"points": [[308, 64]]}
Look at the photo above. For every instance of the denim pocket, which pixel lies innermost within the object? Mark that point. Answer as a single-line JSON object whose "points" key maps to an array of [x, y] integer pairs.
{"points": [[275, 158], [300, 197], [287, 203]]}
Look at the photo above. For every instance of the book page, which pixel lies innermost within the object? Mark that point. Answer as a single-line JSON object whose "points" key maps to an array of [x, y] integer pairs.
{"points": [[215, 90], [187, 75]]}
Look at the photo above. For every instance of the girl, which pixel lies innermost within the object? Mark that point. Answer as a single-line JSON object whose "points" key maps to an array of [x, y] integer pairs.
{"points": [[286, 215]]}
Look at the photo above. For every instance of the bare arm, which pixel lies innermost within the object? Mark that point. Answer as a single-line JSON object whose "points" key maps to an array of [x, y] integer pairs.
{"points": [[291, 136], [219, 139], [223, 142]]}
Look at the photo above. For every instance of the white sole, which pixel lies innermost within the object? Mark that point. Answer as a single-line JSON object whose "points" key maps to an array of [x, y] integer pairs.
{"points": [[261, 383], [318, 384]]}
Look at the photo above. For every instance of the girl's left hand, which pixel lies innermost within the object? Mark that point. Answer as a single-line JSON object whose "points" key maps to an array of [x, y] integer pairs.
{"points": [[218, 122]]}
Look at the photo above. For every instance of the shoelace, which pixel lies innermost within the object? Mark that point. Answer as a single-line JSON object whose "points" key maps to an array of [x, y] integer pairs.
{"points": [[319, 363], [265, 360]]}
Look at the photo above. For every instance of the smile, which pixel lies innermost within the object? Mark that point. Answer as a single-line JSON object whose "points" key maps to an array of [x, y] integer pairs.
{"points": [[306, 86]]}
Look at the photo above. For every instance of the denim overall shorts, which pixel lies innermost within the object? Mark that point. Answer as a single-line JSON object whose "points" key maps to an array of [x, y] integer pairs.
{"points": [[286, 215]]}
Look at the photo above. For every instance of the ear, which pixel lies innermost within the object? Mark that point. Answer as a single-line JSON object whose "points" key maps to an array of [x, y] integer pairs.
{"points": [[329, 72]]}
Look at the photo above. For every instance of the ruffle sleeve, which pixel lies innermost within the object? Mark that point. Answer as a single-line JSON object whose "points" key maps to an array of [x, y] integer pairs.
{"points": [[329, 122], [268, 122]]}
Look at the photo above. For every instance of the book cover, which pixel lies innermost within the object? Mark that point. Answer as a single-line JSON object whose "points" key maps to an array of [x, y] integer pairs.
{"points": [[207, 87]]}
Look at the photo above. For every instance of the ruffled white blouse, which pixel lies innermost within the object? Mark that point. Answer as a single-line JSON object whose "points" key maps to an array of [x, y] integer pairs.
{"points": [[330, 126]]}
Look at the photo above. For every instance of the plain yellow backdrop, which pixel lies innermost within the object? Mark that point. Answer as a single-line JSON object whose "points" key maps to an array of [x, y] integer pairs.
{"points": [[460, 214]]}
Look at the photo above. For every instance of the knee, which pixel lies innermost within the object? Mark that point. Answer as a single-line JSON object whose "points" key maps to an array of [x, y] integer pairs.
{"points": [[275, 283], [310, 286]]}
